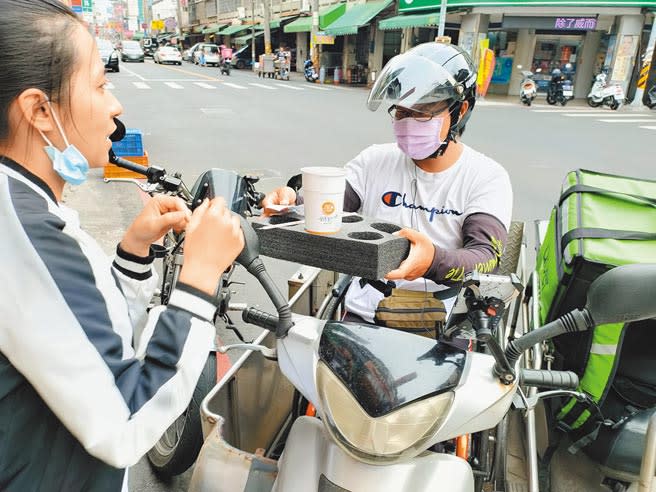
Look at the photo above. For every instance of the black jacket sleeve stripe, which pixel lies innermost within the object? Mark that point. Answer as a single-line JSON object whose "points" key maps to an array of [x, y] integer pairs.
{"points": [[74, 278]]}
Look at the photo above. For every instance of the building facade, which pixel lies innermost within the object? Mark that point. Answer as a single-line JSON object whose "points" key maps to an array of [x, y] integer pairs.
{"points": [[357, 38]]}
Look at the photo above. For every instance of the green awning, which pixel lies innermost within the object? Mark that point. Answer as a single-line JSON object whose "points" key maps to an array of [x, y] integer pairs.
{"points": [[275, 23], [327, 16], [213, 28], [197, 29], [245, 39], [416, 20], [418, 5], [230, 30], [356, 16], [137, 36]]}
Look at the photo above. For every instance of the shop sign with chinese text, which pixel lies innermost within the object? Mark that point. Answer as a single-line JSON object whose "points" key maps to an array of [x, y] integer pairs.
{"points": [[576, 23], [323, 38]]}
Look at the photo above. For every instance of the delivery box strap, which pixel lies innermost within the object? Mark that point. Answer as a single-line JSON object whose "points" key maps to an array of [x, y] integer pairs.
{"points": [[597, 233], [600, 191]]}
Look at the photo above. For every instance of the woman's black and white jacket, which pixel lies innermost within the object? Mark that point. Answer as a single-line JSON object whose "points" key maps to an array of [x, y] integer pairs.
{"points": [[83, 392]]}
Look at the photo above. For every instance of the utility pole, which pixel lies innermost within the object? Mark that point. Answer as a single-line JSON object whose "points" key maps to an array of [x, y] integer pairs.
{"points": [[253, 34], [314, 50], [440, 29], [648, 55], [267, 27]]}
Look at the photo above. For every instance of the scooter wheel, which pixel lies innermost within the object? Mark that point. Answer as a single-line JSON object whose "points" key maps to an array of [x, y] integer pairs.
{"points": [[614, 105], [563, 102], [529, 102], [551, 100], [592, 103]]}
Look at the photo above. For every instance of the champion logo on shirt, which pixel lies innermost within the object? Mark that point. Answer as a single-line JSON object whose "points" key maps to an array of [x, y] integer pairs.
{"points": [[396, 199]]}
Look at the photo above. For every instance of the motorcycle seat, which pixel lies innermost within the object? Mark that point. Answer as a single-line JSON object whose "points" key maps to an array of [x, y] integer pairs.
{"points": [[621, 449], [634, 386]]}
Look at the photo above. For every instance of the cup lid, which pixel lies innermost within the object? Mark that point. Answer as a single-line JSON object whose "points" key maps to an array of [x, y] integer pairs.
{"points": [[324, 171]]}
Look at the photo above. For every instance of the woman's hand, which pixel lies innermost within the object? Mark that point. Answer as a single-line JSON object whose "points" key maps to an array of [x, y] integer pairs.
{"points": [[280, 196], [213, 241], [160, 214], [419, 259]]}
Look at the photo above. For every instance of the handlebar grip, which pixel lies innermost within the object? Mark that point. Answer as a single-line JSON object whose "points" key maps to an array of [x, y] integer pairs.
{"points": [[549, 379], [260, 318], [125, 164]]}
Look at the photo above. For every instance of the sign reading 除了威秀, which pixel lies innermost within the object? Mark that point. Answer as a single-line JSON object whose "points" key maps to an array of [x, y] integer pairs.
{"points": [[576, 23]]}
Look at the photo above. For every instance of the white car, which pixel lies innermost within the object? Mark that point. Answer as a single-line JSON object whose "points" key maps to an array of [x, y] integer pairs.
{"points": [[167, 54], [212, 56]]}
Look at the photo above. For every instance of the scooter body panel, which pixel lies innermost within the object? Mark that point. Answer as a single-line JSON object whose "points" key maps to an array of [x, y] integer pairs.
{"points": [[311, 462], [480, 402], [298, 356]]}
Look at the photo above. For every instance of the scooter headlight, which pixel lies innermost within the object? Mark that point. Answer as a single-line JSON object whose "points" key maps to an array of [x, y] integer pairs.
{"points": [[400, 434]]}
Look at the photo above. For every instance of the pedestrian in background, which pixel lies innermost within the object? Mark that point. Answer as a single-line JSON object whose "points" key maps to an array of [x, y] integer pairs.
{"points": [[89, 380]]}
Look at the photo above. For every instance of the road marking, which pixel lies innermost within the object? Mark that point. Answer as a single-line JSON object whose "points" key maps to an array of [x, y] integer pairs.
{"points": [[173, 85], [141, 85], [606, 114], [564, 110], [131, 72], [316, 88], [291, 87], [214, 111], [110, 86], [649, 127], [204, 85], [643, 120], [182, 70], [262, 86], [235, 86]]}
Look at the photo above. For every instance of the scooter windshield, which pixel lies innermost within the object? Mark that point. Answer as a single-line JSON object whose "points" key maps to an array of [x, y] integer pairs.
{"points": [[385, 369], [413, 81]]}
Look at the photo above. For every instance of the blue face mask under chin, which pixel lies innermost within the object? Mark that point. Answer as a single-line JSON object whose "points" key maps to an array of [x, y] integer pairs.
{"points": [[70, 164]]}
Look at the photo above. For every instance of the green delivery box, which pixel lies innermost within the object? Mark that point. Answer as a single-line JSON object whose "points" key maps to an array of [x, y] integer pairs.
{"points": [[601, 221]]}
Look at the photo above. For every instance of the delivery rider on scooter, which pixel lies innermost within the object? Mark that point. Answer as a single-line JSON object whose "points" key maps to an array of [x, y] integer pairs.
{"points": [[453, 203]]}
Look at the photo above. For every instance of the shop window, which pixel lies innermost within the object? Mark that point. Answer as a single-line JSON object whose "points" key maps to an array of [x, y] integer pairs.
{"points": [[391, 45]]}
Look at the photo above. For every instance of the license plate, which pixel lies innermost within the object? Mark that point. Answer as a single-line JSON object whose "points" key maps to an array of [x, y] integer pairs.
{"points": [[568, 93]]}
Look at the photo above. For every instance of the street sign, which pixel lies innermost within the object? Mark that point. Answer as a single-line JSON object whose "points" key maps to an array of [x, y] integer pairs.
{"points": [[87, 5], [77, 8], [323, 38]]}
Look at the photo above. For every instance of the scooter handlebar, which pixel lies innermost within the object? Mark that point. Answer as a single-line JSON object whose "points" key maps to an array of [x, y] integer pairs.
{"points": [[549, 379]]}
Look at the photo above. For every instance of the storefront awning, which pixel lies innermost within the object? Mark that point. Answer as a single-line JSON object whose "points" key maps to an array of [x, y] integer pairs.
{"points": [[246, 39], [327, 16], [197, 29], [137, 36], [422, 5], [275, 23], [230, 30], [356, 16], [416, 20], [213, 28]]}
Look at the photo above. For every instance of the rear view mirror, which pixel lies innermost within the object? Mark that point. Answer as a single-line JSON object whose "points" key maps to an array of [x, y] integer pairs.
{"points": [[623, 294]]}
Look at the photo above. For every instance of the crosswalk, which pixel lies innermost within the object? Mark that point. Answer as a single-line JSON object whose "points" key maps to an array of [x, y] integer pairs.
{"points": [[643, 119], [211, 85]]}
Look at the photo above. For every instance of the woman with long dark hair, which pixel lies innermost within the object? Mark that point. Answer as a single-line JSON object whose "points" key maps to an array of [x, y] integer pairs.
{"points": [[88, 379]]}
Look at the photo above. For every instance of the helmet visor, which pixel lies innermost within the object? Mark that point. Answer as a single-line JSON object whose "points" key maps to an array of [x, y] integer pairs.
{"points": [[414, 82]]}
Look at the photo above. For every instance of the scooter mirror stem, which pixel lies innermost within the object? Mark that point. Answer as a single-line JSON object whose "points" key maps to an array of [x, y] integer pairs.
{"points": [[249, 258]]}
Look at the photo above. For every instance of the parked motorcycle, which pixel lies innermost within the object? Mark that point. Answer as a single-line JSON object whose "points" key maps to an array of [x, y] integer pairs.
{"points": [[225, 66], [310, 73], [651, 97], [528, 88], [560, 89], [179, 446], [605, 94]]}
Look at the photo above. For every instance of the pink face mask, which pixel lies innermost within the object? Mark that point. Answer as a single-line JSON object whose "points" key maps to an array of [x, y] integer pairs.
{"points": [[418, 139]]}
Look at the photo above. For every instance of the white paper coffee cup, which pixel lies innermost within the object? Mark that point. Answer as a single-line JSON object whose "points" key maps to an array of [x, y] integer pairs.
{"points": [[323, 198]]}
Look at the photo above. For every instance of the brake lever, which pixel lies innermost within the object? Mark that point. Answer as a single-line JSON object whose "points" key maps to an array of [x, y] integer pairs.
{"points": [[143, 186]]}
